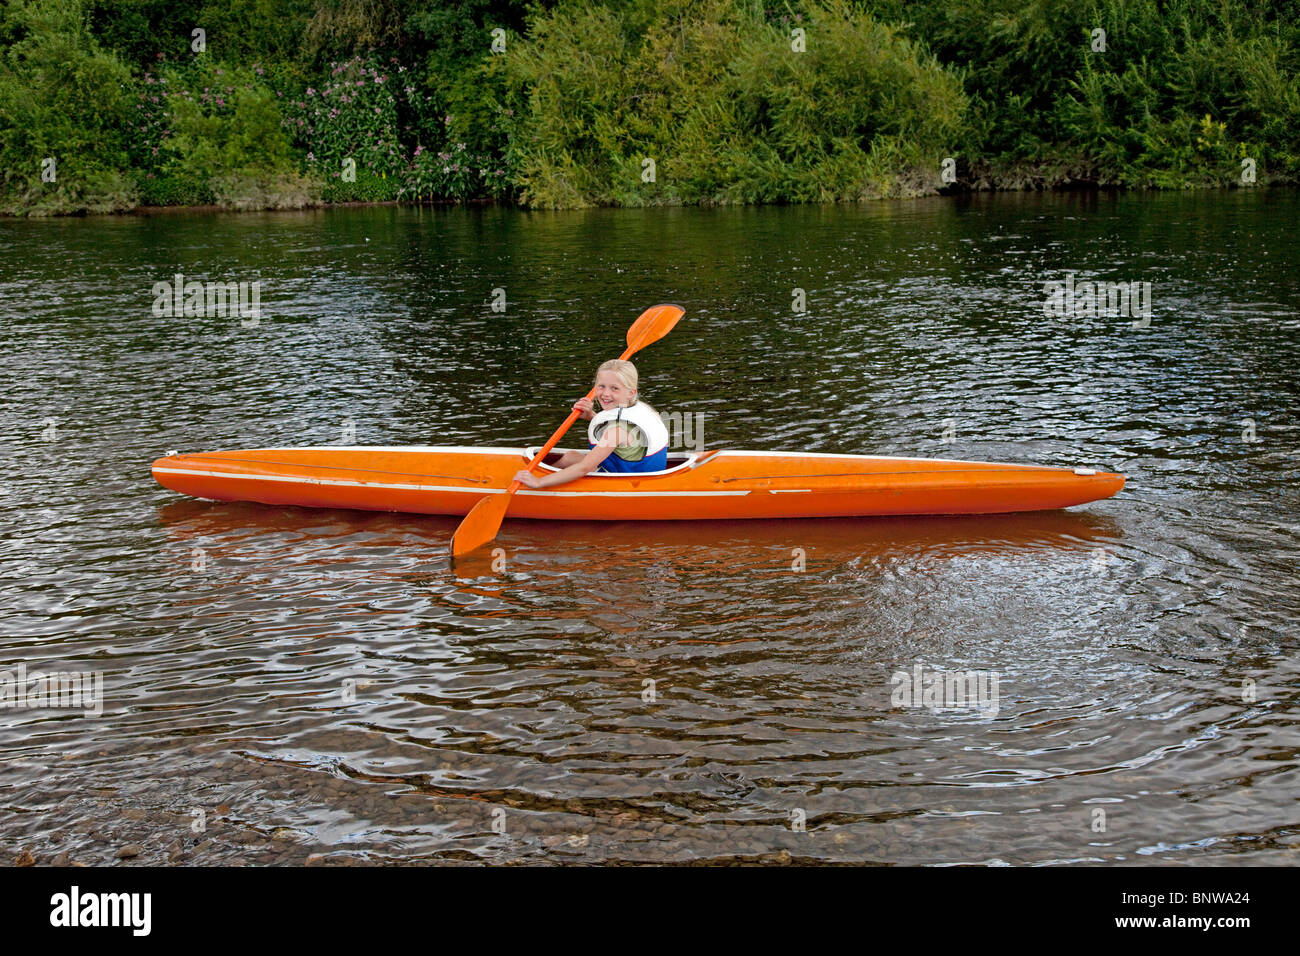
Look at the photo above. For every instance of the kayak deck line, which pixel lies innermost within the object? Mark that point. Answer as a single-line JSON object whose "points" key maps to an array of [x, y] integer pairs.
{"points": [[308, 479], [1015, 469], [730, 452], [298, 464]]}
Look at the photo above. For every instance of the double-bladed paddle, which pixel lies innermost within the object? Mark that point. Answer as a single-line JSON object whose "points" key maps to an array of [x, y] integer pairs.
{"points": [[484, 521]]}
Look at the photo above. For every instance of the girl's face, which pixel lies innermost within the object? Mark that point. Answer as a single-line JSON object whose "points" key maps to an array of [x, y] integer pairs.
{"points": [[610, 392]]}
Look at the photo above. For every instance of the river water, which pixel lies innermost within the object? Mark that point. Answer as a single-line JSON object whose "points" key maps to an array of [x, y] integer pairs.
{"points": [[287, 685]]}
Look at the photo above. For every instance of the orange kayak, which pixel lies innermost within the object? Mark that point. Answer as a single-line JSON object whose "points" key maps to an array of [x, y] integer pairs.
{"points": [[709, 484]]}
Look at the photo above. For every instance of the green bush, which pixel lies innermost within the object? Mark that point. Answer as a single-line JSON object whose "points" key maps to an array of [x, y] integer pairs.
{"points": [[352, 117], [456, 173], [369, 187], [1044, 91], [717, 97], [222, 121], [60, 98], [164, 190], [200, 120], [1193, 89]]}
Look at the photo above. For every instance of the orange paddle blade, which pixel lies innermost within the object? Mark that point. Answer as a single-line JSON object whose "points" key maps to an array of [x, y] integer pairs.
{"points": [[479, 526], [653, 324]]}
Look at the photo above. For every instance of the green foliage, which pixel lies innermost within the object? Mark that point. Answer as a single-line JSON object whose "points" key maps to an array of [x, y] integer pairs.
{"points": [[60, 98], [728, 110], [586, 91], [165, 190], [1045, 84], [352, 117], [144, 32], [339, 29], [1205, 92], [200, 123], [466, 85], [369, 186], [457, 173]]}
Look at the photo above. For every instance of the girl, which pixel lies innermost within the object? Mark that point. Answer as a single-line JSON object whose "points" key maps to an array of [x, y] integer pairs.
{"points": [[625, 435]]}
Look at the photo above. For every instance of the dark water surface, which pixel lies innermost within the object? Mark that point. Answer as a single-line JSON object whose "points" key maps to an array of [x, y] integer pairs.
{"points": [[279, 683]]}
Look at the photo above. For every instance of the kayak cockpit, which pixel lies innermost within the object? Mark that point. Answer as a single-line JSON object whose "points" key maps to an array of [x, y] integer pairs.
{"points": [[676, 463]]}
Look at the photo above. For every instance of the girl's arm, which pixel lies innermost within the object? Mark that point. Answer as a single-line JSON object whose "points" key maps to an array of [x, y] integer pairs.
{"points": [[604, 448]]}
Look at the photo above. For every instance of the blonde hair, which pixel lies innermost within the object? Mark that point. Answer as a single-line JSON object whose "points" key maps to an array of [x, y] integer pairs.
{"points": [[626, 373]]}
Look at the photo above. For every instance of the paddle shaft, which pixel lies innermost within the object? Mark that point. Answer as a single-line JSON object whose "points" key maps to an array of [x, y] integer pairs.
{"points": [[568, 423]]}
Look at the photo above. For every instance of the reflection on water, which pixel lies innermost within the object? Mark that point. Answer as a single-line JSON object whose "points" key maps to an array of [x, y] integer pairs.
{"points": [[306, 683]]}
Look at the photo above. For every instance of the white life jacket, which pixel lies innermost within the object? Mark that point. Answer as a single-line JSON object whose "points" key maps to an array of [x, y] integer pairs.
{"points": [[640, 415]]}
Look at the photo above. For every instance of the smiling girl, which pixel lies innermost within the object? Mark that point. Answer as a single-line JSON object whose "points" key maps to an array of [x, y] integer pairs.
{"points": [[625, 435]]}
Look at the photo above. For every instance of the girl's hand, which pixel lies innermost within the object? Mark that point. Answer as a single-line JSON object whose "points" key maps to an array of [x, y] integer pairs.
{"points": [[527, 479], [586, 409]]}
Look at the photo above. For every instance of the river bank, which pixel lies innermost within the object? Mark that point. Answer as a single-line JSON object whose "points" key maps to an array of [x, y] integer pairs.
{"points": [[984, 181]]}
